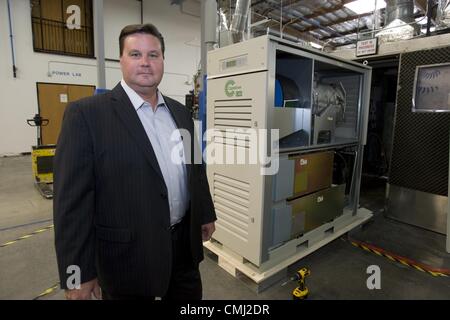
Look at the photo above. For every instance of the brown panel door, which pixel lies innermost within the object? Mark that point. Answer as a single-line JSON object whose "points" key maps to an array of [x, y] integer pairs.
{"points": [[78, 92], [53, 99]]}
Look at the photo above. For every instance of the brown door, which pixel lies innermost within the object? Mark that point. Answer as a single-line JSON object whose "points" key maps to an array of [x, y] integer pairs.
{"points": [[52, 100]]}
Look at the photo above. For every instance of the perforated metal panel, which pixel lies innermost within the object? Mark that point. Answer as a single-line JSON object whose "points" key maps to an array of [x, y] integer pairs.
{"points": [[420, 145]]}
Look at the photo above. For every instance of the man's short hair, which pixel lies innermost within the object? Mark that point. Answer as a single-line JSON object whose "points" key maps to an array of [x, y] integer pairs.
{"points": [[147, 28]]}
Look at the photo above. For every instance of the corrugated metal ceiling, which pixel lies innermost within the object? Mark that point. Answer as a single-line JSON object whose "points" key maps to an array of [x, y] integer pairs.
{"points": [[322, 21]]}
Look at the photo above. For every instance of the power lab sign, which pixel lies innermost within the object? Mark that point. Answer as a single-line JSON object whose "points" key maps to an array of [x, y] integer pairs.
{"points": [[366, 47]]}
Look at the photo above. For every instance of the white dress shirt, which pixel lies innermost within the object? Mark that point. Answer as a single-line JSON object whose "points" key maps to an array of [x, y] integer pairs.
{"points": [[160, 126]]}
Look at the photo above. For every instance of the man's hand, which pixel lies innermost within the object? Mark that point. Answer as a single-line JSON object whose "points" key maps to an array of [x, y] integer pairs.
{"points": [[207, 231], [85, 292]]}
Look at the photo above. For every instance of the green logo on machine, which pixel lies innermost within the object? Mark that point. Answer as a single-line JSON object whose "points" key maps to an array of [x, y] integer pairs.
{"points": [[232, 90]]}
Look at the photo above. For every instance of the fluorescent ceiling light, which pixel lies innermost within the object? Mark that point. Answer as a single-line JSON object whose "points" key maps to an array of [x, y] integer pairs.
{"points": [[315, 45], [365, 6]]}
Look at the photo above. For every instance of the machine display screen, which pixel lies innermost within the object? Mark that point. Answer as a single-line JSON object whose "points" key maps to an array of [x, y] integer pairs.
{"points": [[234, 62], [230, 64]]}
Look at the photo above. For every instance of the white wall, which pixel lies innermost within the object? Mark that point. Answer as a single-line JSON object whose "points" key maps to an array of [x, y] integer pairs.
{"points": [[18, 96], [181, 34], [115, 11]]}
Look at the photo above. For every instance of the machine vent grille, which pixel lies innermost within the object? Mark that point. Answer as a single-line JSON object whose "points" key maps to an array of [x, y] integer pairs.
{"points": [[231, 201], [421, 140], [232, 121]]}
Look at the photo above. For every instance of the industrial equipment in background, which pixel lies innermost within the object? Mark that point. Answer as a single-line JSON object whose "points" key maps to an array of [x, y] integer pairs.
{"points": [[420, 149], [328, 105], [408, 133], [190, 102], [52, 101], [319, 107], [192, 98], [301, 292], [42, 159], [329, 101]]}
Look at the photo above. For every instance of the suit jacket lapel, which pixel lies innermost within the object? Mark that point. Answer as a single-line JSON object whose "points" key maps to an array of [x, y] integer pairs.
{"points": [[180, 122], [130, 119]]}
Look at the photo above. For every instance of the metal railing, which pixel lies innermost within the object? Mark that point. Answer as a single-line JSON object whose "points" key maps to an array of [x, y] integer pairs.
{"points": [[54, 37]]}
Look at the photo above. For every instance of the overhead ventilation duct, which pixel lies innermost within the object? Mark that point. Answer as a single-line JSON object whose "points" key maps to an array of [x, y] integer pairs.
{"points": [[239, 20], [400, 23], [235, 32], [223, 21], [443, 14], [224, 33], [399, 9]]}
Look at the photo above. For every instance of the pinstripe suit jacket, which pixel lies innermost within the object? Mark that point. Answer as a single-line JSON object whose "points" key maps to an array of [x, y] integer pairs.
{"points": [[111, 212]]}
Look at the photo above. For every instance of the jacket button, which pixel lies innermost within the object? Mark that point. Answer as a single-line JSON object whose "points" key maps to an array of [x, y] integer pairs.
{"points": [[164, 196]]}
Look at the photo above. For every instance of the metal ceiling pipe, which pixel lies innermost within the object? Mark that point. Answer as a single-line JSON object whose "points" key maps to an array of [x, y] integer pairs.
{"points": [[239, 20], [399, 9], [11, 38], [224, 34], [99, 27], [208, 34], [223, 20]]}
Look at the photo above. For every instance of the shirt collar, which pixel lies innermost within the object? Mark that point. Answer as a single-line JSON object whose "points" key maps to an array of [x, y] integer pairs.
{"points": [[136, 99]]}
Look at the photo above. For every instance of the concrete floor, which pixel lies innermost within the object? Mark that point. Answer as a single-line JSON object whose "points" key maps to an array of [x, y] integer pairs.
{"points": [[338, 270]]}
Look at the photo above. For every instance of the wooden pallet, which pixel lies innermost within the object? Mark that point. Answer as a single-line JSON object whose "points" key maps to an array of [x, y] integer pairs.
{"points": [[259, 278]]}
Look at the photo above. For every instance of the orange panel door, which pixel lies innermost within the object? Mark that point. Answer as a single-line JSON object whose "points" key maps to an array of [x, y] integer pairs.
{"points": [[53, 99]]}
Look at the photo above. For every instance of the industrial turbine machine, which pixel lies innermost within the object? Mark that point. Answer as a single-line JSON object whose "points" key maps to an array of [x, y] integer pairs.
{"points": [[309, 111]]}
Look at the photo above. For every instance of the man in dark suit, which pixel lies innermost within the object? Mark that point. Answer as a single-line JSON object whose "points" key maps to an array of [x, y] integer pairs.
{"points": [[127, 213]]}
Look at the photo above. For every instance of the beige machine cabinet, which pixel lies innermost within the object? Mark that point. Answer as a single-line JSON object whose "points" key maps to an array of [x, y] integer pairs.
{"points": [[323, 106], [237, 188]]}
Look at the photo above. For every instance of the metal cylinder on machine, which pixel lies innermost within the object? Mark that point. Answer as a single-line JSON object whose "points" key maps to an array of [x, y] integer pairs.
{"points": [[329, 96], [287, 93]]}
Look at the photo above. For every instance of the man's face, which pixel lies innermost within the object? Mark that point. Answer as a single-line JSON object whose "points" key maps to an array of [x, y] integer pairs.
{"points": [[142, 62]]}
